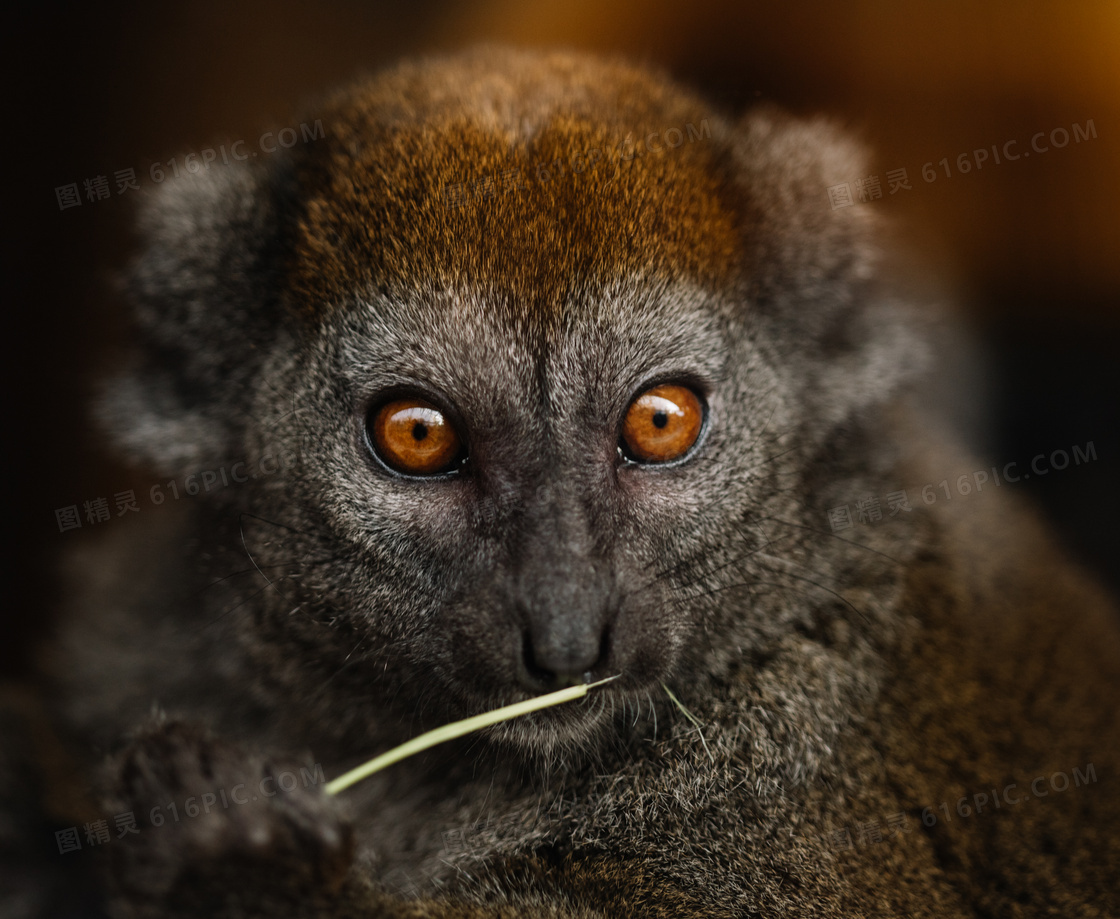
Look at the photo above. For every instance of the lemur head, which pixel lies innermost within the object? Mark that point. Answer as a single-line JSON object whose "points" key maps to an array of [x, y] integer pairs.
{"points": [[551, 347]]}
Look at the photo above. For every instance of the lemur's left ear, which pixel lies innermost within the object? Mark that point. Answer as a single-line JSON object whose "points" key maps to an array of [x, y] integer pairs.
{"points": [[815, 265], [206, 301]]}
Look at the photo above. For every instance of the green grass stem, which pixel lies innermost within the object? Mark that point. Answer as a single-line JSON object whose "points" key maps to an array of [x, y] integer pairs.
{"points": [[458, 729]]}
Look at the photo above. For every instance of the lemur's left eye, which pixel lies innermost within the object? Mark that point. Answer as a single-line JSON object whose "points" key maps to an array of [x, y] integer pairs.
{"points": [[414, 437], [662, 424]]}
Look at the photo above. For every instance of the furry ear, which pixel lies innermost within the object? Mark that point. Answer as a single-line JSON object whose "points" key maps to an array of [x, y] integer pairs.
{"points": [[207, 305], [815, 268]]}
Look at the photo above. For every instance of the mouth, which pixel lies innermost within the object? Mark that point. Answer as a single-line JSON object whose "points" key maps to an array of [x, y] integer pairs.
{"points": [[538, 726], [566, 727], [567, 721]]}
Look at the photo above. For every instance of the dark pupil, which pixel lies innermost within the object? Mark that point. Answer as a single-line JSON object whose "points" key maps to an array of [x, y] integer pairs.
{"points": [[419, 431], [660, 419]]}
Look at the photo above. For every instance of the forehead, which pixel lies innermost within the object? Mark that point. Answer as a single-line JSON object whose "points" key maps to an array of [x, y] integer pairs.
{"points": [[631, 329], [542, 179]]}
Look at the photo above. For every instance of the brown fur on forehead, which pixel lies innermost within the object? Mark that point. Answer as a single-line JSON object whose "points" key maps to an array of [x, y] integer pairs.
{"points": [[377, 214]]}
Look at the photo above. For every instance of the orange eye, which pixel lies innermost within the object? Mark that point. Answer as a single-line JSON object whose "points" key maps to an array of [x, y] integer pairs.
{"points": [[414, 437], [662, 424]]}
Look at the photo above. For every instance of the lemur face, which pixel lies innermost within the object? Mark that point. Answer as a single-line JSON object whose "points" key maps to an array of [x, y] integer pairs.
{"points": [[544, 433], [548, 541], [509, 499]]}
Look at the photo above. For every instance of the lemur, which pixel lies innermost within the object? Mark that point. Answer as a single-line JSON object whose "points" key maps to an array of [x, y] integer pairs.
{"points": [[533, 370]]}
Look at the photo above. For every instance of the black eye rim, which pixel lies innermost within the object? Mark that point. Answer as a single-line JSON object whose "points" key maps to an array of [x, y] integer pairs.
{"points": [[699, 389], [395, 394]]}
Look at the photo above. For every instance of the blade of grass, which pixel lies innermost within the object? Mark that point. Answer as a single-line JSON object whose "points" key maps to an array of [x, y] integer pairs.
{"points": [[458, 729], [691, 717]]}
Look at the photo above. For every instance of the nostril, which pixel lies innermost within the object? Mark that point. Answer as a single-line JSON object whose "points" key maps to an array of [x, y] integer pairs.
{"points": [[604, 653], [537, 675], [552, 669]]}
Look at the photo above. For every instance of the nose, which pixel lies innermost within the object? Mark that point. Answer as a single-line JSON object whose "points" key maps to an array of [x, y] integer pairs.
{"points": [[565, 654], [565, 594]]}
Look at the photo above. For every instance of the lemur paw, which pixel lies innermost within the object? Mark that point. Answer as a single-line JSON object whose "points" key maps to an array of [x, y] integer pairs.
{"points": [[222, 830]]}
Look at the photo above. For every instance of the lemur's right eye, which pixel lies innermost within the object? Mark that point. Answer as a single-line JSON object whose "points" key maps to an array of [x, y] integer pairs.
{"points": [[414, 437]]}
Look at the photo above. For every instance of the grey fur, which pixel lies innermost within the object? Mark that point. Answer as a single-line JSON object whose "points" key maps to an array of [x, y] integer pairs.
{"points": [[325, 610]]}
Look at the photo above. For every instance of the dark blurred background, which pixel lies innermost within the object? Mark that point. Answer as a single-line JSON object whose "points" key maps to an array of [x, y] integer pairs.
{"points": [[1030, 248]]}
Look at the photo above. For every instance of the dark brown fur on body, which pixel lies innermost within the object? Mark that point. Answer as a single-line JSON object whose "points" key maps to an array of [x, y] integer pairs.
{"points": [[327, 608]]}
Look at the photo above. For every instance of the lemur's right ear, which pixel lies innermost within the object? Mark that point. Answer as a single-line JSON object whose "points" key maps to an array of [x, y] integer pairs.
{"points": [[207, 304]]}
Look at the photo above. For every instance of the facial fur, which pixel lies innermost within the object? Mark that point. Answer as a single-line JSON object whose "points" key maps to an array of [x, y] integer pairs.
{"points": [[286, 300]]}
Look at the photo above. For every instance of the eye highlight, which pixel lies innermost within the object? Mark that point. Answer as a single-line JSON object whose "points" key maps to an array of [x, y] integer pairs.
{"points": [[662, 424], [414, 437]]}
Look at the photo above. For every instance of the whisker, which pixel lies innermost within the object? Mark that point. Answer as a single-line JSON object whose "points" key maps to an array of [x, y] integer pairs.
{"points": [[829, 591], [233, 608], [233, 574], [832, 535], [273, 523]]}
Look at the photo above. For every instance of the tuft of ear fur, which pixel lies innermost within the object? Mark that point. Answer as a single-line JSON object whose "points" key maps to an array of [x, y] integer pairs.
{"points": [[206, 305], [815, 269]]}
